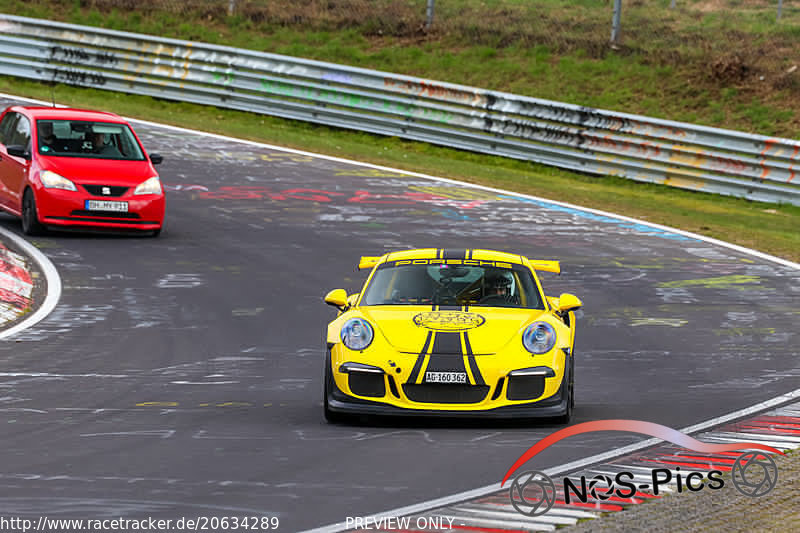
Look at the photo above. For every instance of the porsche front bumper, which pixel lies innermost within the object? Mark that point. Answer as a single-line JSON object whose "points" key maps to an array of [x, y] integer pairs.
{"points": [[553, 406]]}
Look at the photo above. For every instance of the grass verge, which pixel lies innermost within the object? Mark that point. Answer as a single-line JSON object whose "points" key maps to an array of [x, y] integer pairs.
{"points": [[766, 227]]}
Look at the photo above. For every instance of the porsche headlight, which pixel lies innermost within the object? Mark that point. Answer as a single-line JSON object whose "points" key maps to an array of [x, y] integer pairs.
{"points": [[150, 186], [539, 338], [51, 180], [357, 334]]}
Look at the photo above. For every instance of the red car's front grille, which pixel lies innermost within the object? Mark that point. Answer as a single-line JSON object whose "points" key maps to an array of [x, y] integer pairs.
{"points": [[98, 190]]}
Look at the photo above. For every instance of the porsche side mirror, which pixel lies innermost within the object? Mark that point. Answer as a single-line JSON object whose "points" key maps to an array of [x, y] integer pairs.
{"points": [[568, 302], [17, 150], [337, 298], [156, 159]]}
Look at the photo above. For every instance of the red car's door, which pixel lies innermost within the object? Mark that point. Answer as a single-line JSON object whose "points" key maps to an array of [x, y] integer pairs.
{"points": [[7, 124], [15, 130]]}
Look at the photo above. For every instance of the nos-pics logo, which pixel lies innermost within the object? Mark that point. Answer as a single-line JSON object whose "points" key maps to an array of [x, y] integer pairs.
{"points": [[533, 493]]}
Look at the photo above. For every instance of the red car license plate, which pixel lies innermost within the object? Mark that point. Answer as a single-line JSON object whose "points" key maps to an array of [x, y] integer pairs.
{"points": [[105, 205]]}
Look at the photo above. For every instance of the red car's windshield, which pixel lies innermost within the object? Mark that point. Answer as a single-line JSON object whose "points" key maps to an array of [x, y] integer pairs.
{"points": [[97, 140]]}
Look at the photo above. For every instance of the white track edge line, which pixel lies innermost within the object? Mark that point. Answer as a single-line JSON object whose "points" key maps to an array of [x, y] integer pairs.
{"points": [[53, 284], [566, 467]]}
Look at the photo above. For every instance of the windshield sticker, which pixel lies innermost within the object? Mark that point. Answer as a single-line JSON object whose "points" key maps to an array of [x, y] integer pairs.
{"points": [[448, 320]]}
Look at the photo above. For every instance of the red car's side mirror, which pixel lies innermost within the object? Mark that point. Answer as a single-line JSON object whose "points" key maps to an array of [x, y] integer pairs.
{"points": [[17, 150]]}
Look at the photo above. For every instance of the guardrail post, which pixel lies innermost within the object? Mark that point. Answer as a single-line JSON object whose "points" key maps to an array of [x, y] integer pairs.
{"points": [[780, 8], [616, 22], [429, 14], [231, 7]]}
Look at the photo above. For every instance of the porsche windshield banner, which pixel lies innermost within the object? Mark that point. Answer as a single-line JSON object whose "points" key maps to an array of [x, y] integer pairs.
{"points": [[465, 262]]}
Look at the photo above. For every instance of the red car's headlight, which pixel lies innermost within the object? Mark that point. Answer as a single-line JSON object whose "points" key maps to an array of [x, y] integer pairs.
{"points": [[51, 180], [149, 186]]}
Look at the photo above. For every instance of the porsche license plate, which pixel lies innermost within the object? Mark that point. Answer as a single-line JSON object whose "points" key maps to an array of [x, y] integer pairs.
{"points": [[106, 205], [445, 377]]}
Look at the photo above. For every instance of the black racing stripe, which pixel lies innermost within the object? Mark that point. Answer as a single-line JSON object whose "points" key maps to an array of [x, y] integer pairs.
{"points": [[420, 359], [446, 364], [473, 365], [467, 345], [447, 342], [476, 373], [454, 253]]}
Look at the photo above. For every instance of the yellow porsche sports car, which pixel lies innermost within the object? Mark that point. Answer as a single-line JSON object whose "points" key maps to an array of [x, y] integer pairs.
{"points": [[451, 332]]}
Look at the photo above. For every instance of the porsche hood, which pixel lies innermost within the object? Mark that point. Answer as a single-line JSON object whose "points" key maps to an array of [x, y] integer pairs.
{"points": [[476, 330]]}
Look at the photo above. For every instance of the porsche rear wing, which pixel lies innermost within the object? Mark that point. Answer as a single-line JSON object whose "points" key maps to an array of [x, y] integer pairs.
{"points": [[368, 261], [545, 266]]}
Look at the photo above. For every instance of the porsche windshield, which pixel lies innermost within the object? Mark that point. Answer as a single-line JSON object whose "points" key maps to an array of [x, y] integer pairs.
{"points": [[486, 286], [96, 140]]}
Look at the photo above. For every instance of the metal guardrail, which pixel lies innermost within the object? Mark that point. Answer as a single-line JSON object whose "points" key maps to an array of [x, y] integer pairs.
{"points": [[562, 135]]}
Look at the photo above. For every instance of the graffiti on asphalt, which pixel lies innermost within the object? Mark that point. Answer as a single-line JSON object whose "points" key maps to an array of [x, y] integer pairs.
{"points": [[247, 192]]}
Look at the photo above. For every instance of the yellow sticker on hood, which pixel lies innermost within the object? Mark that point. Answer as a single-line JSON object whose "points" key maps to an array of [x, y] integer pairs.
{"points": [[449, 320]]}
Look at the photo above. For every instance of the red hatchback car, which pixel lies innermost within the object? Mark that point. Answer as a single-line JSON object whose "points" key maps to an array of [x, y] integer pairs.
{"points": [[71, 168]]}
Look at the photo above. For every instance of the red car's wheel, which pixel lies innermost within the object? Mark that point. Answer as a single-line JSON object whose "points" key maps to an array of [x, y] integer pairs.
{"points": [[30, 220]]}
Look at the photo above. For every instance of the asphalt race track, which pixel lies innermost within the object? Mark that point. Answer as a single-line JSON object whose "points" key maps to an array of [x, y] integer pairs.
{"points": [[182, 376]]}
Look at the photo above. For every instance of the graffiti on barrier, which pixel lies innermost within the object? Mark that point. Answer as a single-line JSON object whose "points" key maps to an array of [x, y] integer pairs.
{"points": [[435, 90], [68, 61], [332, 96], [78, 77], [82, 56]]}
